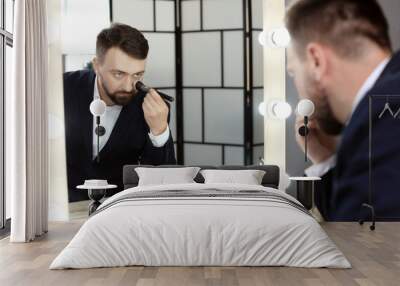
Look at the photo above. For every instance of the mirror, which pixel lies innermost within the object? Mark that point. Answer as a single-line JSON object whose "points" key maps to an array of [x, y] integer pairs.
{"points": [[205, 56]]}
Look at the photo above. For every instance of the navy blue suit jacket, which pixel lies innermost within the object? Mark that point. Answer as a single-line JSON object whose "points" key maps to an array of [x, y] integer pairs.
{"points": [[129, 142], [345, 188]]}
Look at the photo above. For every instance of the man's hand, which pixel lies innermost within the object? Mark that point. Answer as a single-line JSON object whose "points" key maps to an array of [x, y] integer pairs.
{"points": [[155, 112], [320, 145]]}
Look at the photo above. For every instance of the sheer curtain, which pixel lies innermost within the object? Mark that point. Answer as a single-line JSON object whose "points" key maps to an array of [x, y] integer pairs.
{"points": [[26, 118]]}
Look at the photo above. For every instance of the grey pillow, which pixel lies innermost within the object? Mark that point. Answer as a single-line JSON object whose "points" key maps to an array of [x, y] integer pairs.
{"points": [[248, 177], [162, 176]]}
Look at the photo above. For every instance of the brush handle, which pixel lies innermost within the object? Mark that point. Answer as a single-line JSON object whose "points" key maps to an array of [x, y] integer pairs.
{"points": [[142, 87]]}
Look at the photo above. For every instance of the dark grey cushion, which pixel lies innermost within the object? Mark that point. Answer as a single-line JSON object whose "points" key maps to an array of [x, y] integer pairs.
{"points": [[270, 179]]}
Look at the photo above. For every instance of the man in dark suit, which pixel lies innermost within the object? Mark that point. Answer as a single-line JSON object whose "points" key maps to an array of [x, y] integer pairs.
{"points": [[340, 57], [136, 123]]}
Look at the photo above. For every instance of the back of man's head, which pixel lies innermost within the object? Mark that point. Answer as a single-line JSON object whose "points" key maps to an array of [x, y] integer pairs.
{"points": [[344, 25]]}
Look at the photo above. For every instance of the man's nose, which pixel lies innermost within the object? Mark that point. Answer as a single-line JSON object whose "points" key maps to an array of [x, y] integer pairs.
{"points": [[128, 84]]}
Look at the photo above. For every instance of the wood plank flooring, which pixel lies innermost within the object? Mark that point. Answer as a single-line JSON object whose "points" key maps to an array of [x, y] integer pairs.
{"points": [[375, 257]]}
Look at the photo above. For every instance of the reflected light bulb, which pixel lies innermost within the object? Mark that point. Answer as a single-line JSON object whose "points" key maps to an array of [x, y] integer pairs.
{"points": [[97, 107], [305, 107]]}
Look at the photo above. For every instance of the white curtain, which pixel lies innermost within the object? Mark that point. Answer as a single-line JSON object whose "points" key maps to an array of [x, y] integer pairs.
{"points": [[26, 119]]}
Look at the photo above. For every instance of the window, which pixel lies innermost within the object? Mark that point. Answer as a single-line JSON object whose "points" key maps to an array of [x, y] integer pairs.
{"points": [[6, 45]]}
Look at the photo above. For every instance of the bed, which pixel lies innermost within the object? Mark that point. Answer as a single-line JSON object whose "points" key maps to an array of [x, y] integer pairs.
{"points": [[201, 224]]}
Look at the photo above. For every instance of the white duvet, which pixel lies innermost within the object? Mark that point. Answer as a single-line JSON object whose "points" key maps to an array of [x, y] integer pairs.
{"points": [[200, 231]]}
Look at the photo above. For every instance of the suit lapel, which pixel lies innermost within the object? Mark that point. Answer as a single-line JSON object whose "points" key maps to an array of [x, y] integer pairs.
{"points": [[129, 115], [86, 97]]}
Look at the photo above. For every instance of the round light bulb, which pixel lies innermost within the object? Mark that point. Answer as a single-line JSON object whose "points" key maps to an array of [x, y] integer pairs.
{"points": [[305, 107], [280, 37], [97, 107], [262, 38], [262, 108], [281, 110], [275, 38]]}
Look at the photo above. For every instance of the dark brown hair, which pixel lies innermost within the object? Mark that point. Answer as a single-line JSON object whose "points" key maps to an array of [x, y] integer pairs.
{"points": [[128, 39], [342, 24]]}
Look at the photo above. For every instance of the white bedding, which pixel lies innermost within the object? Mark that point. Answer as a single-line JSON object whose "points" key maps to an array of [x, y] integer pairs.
{"points": [[200, 231]]}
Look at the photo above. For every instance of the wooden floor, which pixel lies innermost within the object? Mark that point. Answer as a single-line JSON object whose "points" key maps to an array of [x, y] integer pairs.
{"points": [[375, 257]]}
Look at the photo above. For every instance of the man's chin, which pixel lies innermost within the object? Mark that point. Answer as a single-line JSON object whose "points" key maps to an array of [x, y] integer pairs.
{"points": [[122, 100]]}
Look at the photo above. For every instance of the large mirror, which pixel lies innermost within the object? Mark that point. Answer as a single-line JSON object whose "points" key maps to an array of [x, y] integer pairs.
{"points": [[205, 56]]}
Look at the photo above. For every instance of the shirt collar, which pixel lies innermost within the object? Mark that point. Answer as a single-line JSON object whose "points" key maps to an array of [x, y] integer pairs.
{"points": [[369, 83], [96, 94]]}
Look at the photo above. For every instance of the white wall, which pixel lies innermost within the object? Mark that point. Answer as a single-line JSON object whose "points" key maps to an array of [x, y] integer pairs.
{"points": [[58, 194], [81, 21]]}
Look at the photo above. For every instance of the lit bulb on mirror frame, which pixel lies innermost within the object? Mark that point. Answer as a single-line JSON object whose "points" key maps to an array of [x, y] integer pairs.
{"points": [[262, 38], [280, 37], [282, 110], [262, 109], [275, 38], [278, 109]]}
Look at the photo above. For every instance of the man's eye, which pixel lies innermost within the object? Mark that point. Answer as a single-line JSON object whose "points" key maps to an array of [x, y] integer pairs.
{"points": [[138, 75], [118, 74]]}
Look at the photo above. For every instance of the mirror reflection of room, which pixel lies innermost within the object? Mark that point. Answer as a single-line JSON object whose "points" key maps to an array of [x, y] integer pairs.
{"points": [[128, 127], [210, 65]]}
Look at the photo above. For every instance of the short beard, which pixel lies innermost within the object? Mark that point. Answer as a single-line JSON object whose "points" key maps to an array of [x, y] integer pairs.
{"points": [[118, 100], [327, 121], [323, 111]]}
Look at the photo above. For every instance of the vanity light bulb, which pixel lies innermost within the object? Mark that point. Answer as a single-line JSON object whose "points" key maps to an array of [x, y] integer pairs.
{"points": [[280, 37], [281, 110], [275, 38], [262, 38], [262, 108]]}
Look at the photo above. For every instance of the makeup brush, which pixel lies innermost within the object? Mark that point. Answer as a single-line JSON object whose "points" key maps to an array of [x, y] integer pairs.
{"points": [[142, 87]]}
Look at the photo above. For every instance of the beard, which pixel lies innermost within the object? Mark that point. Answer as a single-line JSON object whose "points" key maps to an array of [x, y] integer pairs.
{"points": [[323, 111], [119, 97], [326, 120]]}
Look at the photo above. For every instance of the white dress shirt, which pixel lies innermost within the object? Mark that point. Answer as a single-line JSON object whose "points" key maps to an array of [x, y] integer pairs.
{"points": [[320, 169], [108, 120]]}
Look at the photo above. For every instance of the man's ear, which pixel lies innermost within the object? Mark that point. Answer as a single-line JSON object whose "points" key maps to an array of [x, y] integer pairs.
{"points": [[317, 59], [95, 63]]}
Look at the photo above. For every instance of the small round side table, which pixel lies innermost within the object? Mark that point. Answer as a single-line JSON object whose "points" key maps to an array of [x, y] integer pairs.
{"points": [[95, 193]]}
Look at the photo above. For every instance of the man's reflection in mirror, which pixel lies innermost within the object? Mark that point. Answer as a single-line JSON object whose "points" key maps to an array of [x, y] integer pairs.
{"points": [[135, 123]]}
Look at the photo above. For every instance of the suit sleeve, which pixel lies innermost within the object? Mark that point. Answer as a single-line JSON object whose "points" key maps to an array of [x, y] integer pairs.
{"points": [[345, 188], [164, 155]]}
